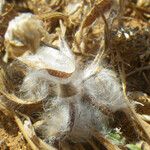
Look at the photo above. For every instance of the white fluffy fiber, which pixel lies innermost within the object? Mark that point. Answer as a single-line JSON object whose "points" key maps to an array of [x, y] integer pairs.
{"points": [[37, 85], [56, 119], [67, 116], [70, 117], [103, 87], [60, 126]]}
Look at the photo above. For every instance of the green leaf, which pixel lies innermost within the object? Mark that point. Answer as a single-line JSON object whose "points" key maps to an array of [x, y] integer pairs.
{"points": [[116, 137], [133, 147]]}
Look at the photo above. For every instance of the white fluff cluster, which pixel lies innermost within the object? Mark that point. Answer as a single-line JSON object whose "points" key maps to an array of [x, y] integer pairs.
{"points": [[49, 67], [57, 118], [72, 118], [85, 109], [105, 87], [37, 85], [82, 102]]}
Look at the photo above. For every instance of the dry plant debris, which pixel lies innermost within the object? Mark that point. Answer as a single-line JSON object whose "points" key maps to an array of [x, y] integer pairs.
{"points": [[75, 74]]}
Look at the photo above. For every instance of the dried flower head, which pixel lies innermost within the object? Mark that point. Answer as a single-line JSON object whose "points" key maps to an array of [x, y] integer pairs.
{"points": [[24, 33]]}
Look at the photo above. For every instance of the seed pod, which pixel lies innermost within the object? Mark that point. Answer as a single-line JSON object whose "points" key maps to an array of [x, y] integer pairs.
{"points": [[59, 63]]}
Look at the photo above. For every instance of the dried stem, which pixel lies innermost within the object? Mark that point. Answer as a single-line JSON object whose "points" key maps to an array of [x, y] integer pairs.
{"points": [[105, 142], [138, 70], [21, 127]]}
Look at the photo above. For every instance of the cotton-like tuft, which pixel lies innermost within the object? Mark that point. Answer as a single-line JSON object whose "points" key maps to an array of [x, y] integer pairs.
{"points": [[72, 119], [104, 87], [37, 85], [97, 95]]}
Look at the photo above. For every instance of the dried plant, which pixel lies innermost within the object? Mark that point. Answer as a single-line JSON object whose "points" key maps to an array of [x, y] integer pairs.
{"points": [[68, 69], [82, 97]]}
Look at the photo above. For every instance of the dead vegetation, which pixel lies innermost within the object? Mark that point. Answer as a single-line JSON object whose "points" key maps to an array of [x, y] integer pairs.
{"points": [[115, 33]]}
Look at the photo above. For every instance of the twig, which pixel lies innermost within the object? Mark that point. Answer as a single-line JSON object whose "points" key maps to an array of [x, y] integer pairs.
{"points": [[146, 79], [135, 118], [123, 78], [105, 142], [138, 70], [93, 145], [144, 10], [5, 110], [145, 117], [11, 8], [21, 127], [52, 15], [37, 141], [80, 147]]}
